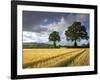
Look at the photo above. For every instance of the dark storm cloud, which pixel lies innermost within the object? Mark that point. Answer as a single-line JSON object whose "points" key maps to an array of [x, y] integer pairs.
{"points": [[32, 20]]}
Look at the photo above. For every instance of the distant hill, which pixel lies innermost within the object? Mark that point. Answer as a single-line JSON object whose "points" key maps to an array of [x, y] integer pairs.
{"points": [[37, 45]]}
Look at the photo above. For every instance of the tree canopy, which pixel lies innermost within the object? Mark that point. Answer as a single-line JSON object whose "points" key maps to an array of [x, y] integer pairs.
{"points": [[76, 32], [54, 36]]}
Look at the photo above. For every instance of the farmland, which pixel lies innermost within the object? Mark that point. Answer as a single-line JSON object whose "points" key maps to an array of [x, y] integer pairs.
{"points": [[61, 57]]}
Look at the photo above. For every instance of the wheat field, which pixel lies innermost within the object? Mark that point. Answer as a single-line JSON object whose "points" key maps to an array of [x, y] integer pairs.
{"points": [[61, 57]]}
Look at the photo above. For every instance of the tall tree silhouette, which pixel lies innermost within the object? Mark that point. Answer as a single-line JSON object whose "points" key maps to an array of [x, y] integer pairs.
{"points": [[76, 32], [54, 36]]}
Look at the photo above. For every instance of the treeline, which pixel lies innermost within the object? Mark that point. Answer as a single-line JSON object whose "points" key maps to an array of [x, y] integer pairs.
{"points": [[42, 45]]}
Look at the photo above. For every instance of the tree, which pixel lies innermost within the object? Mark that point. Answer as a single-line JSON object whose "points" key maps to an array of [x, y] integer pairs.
{"points": [[76, 32], [54, 36]]}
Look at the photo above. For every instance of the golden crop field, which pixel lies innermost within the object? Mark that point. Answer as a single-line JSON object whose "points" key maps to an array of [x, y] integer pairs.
{"points": [[61, 57]]}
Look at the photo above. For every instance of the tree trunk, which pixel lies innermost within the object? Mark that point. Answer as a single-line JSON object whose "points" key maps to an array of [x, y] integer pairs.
{"points": [[75, 44], [54, 43]]}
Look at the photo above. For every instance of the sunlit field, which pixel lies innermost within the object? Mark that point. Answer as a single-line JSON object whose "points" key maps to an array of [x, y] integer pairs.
{"points": [[61, 57]]}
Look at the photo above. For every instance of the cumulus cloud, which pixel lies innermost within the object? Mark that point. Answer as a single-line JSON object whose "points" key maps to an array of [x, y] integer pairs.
{"points": [[58, 26], [34, 37], [42, 36]]}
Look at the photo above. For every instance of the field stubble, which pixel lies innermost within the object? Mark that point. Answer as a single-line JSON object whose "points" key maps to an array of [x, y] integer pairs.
{"points": [[40, 58]]}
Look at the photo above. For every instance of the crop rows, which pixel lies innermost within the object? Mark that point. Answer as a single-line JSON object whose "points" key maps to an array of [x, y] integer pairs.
{"points": [[81, 60], [58, 60]]}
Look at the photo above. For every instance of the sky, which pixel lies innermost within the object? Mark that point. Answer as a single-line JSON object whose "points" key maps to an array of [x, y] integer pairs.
{"points": [[38, 25]]}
